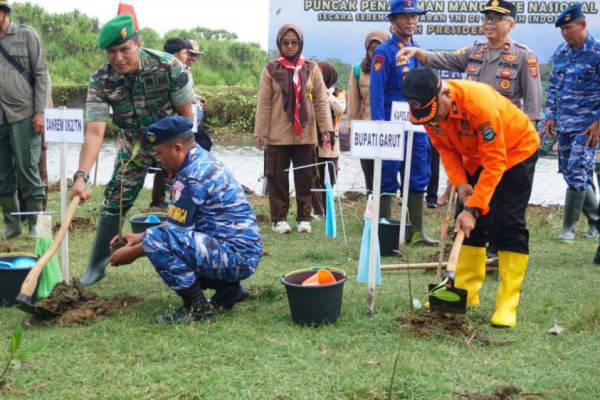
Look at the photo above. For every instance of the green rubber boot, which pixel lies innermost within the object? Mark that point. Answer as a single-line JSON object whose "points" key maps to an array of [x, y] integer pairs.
{"points": [[415, 210], [12, 225], [108, 227], [573, 205], [590, 210], [33, 205], [385, 207]]}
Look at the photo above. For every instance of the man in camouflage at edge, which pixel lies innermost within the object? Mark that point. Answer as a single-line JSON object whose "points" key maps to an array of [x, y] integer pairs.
{"points": [[572, 112], [210, 239], [142, 86]]}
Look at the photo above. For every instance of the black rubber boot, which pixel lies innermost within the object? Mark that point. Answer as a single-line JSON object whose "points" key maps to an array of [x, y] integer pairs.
{"points": [[108, 227], [590, 210], [415, 210], [12, 224], [573, 205], [227, 294], [33, 205], [195, 308]]}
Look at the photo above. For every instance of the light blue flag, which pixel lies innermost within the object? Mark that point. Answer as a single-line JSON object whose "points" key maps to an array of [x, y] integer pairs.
{"points": [[365, 251], [330, 223]]}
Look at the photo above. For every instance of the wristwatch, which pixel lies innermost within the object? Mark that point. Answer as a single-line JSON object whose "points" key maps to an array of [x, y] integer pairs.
{"points": [[473, 210], [81, 174]]}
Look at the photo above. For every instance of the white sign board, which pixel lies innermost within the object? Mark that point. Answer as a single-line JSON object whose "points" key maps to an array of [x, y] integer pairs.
{"points": [[401, 113], [377, 139], [63, 125]]}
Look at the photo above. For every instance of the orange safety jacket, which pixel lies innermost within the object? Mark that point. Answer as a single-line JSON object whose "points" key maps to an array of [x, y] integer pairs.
{"points": [[483, 128]]}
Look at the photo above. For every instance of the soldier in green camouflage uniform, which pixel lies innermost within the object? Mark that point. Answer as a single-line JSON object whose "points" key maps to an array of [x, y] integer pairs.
{"points": [[142, 86]]}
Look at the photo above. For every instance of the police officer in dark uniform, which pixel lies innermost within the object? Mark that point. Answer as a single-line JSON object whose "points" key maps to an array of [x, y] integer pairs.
{"points": [[386, 87], [508, 66]]}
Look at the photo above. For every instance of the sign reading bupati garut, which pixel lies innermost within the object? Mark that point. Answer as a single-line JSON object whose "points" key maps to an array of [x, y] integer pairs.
{"points": [[448, 25], [377, 139]]}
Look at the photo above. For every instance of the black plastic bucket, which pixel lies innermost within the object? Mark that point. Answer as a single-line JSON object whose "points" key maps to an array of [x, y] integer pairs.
{"points": [[11, 278], [389, 235], [139, 224], [314, 305]]}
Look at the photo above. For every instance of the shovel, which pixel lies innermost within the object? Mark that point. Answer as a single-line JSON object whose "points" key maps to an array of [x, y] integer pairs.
{"points": [[445, 296], [25, 298]]}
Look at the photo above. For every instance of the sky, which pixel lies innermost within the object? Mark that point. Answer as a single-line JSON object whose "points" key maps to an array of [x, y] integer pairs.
{"points": [[249, 19]]}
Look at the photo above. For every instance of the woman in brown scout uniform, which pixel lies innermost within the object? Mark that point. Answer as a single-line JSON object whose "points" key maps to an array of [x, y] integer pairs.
{"points": [[291, 99]]}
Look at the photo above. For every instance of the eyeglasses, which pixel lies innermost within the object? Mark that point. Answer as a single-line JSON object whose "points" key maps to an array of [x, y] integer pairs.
{"points": [[493, 17], [293, 43]]}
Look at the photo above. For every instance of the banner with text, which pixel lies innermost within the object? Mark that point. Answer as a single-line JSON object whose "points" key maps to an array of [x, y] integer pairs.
{"points": [[337, 28], [63, 125]]}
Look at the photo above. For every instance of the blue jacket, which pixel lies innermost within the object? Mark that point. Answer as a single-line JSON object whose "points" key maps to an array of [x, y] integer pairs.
{"points": [[387, 76]]}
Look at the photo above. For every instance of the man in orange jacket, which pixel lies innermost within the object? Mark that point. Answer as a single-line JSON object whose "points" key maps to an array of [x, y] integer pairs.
{"points": [[489, 150]]}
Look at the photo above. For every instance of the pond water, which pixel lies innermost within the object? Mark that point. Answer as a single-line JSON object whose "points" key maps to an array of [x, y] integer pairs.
{"points": [[246, 163]]}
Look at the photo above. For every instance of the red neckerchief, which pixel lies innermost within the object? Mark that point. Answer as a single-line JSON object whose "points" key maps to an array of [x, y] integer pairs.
{"points": [[297, 89]]}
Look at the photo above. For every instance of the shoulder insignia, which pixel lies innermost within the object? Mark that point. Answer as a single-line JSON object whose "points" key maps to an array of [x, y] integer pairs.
{"points": [[461, 51], [505, 84], [378, 61], [510, 57], [533, 67], [182, 80], [405, 70], [488, 134]]}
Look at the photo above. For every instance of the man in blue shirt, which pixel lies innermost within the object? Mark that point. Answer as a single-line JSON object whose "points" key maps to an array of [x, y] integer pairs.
{"points": [[572, 113], [210, 239], [386, 87]]}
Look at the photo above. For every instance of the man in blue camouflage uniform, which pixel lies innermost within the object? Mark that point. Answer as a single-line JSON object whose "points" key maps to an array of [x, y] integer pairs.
{"points": [[385, 88], [142, 86], [210, 238], [572, 112]]}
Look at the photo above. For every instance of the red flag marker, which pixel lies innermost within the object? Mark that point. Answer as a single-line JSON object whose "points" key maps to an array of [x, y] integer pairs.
{"points": [[128, 9]]}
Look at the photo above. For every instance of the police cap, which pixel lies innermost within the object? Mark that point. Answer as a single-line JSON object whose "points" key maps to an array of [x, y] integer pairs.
{"points": [[167, 129], [116, 31], [405, 7], [569, 14], [421, 87], [501, 7]]}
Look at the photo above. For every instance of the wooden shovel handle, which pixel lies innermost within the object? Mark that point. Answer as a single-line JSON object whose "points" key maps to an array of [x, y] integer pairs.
{"points": [[453, 257], [31, 280]]}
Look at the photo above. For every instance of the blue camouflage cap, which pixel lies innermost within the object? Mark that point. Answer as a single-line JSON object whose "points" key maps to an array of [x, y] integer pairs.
{"points": [[167, 129], [405, 7], [569, 14]]}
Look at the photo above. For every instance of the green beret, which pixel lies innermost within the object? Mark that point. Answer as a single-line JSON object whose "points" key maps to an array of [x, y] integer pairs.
{"points": [[116, 31]]}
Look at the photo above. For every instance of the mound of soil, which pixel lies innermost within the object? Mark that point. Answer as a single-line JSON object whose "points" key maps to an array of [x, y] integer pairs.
{"points": [[70, 305], [78, 224], [354, 196], [501, 393], [55, 186], [8, 247], [450, 325]]}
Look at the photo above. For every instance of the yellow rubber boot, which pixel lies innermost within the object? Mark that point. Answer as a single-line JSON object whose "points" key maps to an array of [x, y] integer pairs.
{"points": [[470, 272], [511, 268]]}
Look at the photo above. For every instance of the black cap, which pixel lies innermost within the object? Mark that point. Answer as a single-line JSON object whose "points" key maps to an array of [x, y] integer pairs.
{"points": [[501, 7], [420, 88]]}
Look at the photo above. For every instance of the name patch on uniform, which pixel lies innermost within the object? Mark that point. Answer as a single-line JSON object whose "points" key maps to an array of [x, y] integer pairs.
{"points": [[510, 57], [177, 214], [533, 67], [378, 61]]}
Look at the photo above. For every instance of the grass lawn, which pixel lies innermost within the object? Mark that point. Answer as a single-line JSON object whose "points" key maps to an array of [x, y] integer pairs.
{"points": [[257, 352]]}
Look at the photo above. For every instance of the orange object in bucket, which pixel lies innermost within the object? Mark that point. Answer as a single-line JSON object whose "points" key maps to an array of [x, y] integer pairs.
{"points": [[321, 277]]}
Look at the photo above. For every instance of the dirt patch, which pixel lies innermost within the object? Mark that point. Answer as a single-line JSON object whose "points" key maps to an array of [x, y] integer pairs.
{"points": [[354, 196], [78, 224], [8, 247], [70, 305], [446, 324], [500, 393], [55, 187]]}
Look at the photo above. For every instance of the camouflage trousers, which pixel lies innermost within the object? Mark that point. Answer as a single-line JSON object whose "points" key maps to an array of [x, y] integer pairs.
{"points": [[181, 257], [575, 160], [131, 174]]}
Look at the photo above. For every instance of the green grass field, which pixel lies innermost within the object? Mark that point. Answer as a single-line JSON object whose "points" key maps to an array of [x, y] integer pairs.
{"points": [[257, 352]]}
